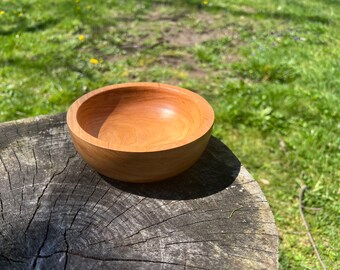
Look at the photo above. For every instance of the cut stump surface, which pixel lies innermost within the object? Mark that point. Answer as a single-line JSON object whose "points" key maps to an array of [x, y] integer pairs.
{"points": [[58, 213]]}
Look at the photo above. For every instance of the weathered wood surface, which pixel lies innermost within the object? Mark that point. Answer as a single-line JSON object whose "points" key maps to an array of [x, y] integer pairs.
{"points": [[57, 213]]}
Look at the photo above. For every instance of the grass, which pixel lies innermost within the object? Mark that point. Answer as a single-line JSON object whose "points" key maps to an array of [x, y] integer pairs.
{"points": [[269, 68]]}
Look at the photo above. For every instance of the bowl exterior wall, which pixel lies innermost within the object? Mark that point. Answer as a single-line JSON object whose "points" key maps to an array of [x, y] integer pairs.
{"points": [[141, 167]]}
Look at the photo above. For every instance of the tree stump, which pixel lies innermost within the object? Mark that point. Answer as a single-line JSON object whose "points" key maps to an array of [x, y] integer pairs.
{"points": [[58, 213]]}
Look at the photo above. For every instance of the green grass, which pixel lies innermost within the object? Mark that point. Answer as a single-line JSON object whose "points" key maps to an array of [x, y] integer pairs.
{"points": [[271, 70]]}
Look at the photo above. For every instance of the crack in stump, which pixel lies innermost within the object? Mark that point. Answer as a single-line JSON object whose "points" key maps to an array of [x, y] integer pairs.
{"points": [[43, 192], [2, 208], [8, 176], [34, 264]]}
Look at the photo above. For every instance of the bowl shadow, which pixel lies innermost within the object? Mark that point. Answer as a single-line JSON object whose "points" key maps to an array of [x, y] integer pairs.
{"points": [[216, 169]]}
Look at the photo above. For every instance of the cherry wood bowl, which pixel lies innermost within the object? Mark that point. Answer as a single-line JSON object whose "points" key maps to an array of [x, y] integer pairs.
{"points": [[140, 132]]}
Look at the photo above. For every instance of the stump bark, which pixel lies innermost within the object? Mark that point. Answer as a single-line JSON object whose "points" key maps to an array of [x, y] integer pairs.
{"points": [[58, 213]]}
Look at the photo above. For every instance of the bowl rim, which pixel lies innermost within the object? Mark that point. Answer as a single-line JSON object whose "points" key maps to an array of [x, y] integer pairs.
{"points": [[75, 128]]}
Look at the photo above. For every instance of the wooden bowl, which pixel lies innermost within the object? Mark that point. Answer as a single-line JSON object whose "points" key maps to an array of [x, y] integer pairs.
{"points": [[140, 132]]}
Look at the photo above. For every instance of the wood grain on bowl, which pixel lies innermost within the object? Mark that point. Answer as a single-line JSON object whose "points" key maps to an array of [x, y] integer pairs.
{"points": [[140, 132]]}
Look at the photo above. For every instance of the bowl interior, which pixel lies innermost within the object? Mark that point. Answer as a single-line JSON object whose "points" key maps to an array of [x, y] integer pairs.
{"points": [[141, 116]]}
